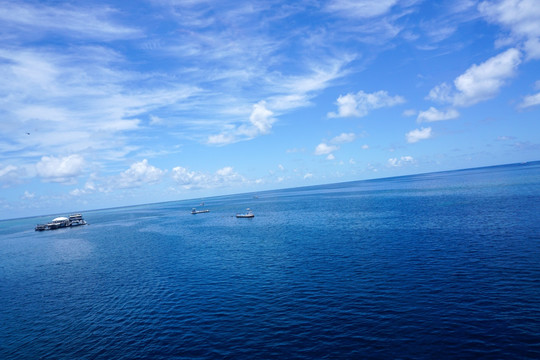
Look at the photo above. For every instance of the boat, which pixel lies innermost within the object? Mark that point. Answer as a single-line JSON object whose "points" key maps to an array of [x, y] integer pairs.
{"points": [[76, 220], [247, 214], [62, 222], [41, 227], [195, 211]]}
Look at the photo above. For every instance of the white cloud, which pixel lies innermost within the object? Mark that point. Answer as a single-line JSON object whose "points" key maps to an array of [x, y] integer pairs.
{"points": [[89, 187], [221, 139], [530, 100], [532, 48], [76, 100], [365, 146], [361, 8], [155, 120], [324, 149], [432, 114], [480, 82], [521, 17], [359, 104], [62, 170], [198, 180], [88, 22], [441, 93], [11, 175], [308, 176], [138, 174], [404, 160], [409, 112], [418, 134], [28, 195], [505, 138], [261, 120], [343, 138]]}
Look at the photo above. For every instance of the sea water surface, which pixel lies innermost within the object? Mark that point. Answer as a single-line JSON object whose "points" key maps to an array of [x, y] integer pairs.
{"points": [[441, 265]]}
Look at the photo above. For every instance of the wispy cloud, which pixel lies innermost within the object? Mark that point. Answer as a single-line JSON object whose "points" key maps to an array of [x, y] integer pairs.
{"points": [[360, 8], [65, 20], [530, 100], [432, 114], [11, 175]]}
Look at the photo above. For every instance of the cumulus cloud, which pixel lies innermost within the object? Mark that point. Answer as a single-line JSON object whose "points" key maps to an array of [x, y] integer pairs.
{"points": [[261, 118], [479, 82], [138, 174], [404, 160], [61, 170], [324, 149], [359, 104], [343, 138], [482, 82], [199, 180], [418, 134], [432, 114], [520, 17], [328, 149]]}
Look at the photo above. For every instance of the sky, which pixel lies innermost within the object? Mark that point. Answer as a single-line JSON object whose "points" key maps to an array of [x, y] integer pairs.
{"points": [[115, 103]]}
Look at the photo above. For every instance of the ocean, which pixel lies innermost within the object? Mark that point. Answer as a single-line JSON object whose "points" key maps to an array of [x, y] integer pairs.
{"points": [[443, 265]]}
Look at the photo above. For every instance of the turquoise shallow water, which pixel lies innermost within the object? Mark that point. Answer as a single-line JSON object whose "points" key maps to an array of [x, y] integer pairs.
{"points": [[443, 265]]}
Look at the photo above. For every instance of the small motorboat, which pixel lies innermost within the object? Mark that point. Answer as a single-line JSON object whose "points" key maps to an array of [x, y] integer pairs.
{"points": [[248, 214]]}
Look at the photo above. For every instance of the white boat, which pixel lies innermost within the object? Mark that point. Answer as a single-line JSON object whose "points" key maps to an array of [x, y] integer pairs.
{"points": [[195, 211], [247, 214], [61, 222], [76, 220]]}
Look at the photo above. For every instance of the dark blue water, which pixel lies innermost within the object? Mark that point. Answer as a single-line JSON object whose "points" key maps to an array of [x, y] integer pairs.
{"points": [[443, 265]]}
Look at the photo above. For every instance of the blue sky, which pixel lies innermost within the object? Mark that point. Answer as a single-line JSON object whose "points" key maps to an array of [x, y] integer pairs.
{"points": [[117, 103]]}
